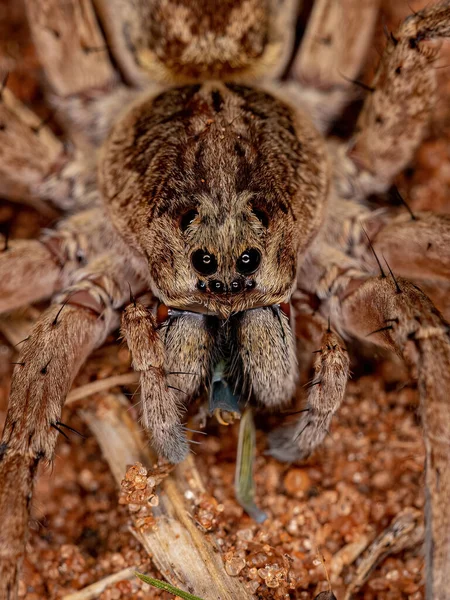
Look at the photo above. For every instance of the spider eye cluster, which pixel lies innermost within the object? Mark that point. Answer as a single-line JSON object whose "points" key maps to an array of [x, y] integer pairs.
{"points": [[205, 263]]}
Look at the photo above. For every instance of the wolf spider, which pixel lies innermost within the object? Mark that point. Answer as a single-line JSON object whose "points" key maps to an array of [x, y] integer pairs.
{"points": [[194, 171]]}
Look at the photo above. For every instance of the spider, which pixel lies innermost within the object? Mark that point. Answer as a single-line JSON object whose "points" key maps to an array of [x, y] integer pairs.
{"points": [[196, 173]]}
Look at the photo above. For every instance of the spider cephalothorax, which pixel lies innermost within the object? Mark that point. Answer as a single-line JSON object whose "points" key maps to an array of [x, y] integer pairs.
{"points": [[222, 188], [197, 179]]}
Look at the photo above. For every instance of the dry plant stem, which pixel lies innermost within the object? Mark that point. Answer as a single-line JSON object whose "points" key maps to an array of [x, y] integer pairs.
{"points": [[101, 385], [406, 531], [184, 556], [347, 556], [95, 589]]}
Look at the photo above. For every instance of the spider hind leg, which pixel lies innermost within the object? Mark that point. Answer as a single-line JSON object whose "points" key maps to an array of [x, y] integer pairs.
{"points": [[409, 324]]}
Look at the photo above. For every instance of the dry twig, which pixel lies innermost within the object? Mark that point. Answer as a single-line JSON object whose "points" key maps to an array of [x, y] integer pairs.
{"points": [[405, 531], [181, 552], [95, 589]]}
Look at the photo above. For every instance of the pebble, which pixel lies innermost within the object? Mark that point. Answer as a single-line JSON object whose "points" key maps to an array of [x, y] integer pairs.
{"points": [[296, 482], [234, 566]]}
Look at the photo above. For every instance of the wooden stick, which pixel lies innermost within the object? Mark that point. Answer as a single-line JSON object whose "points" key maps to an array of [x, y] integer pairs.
{"points": [[184, 556], [95, 589], [405, 531], [101, 385]]}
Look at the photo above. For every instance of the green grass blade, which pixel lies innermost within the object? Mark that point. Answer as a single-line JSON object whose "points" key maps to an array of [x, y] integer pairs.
{"points": [[162, 585], [244, 484]]}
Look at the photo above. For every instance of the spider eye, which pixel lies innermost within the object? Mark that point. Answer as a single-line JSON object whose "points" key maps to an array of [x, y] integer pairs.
{"points": [[248, 261], [204, 262], [261, 215], [187, 219]]}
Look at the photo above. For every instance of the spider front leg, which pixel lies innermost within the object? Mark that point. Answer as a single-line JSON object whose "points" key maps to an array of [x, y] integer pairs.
{"points": [[397, 315], [398, 107], [332, 54], [59, 343], [416, 247], [326, 392], [32, 270]]}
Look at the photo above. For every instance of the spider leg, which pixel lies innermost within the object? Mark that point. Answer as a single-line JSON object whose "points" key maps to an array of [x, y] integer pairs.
{"points": [[332, 54], [396, 112], [70, 45], [416, 247], [28, 149], [325, 394], [59, 343], [84, 86], [32, 270], [399, 316], [126, 25], [34, 164]]}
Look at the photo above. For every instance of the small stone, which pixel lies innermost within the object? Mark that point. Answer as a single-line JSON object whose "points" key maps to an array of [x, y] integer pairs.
{"points": [[252, 586], [297, 481], [382, 480], [245, 534], [87, 480], [257, 559], [234, 566]]}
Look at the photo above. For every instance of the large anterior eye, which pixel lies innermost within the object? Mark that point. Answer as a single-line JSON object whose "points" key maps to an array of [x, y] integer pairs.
{"points": [[204, 262], [248, 261]]}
